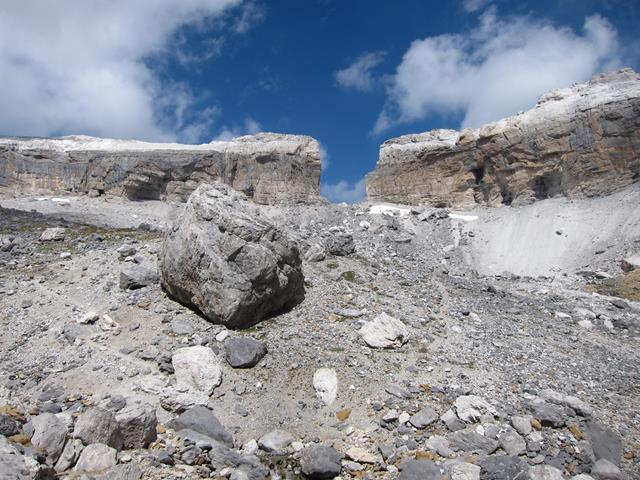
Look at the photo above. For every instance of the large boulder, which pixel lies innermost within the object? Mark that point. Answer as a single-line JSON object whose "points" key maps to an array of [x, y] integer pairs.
{"points": [[224, 258]]}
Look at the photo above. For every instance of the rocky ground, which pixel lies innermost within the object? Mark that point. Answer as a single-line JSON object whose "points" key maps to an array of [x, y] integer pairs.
{"points": [[483, 376]]}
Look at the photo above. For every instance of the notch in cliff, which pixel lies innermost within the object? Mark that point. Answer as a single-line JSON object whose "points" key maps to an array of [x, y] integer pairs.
{"points": [[581, 141], [268, 167]]}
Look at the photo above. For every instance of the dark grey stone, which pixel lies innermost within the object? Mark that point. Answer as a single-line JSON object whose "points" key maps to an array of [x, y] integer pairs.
{"points": [[244, 352], [503, 468], [98, 425], [320, 462], [202, 420], [340, 244], [8, 426]]}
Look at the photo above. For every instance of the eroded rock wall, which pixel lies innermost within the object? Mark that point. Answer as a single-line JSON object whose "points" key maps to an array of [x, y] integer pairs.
{"points": [[270, 168], [581, 141]]}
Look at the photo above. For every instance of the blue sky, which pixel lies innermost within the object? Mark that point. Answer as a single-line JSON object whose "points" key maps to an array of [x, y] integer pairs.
{"points": [[350, 73]]}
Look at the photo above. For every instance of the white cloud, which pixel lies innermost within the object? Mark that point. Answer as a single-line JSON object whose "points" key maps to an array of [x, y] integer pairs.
{"points": [[86, 67], [325, 157], [358, 75], [500, 67], [252, 15], [474, 5], [344, 191], [250, 127]]}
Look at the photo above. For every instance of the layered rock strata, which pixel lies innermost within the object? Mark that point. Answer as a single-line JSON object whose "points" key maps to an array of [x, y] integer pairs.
{"points": [[270, 168], [581, 141]]}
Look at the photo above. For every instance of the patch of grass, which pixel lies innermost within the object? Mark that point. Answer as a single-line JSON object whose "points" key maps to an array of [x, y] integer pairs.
{"points": [[331, 264], [625, 286], [349, 276]]}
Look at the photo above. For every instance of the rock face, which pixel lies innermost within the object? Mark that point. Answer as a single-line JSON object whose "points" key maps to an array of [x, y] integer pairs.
{"points": [[224, 258], [581, 141], [270, 168]]}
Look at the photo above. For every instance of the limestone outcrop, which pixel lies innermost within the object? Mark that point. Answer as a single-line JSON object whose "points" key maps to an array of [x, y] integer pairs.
{"points": [[226, 259], [270, 168], [581, 141]]}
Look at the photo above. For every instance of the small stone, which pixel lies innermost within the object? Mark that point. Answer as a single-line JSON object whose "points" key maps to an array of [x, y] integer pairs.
{"points": [[544, 472], [360, 455], [471, 407], [244, 352], [138, 426], [275, 441], [54, 234], [512, 443], [423, 418], [457, 470], [137, 276], [320, 462], [522, 425], [343, 414], [325, 383], [49, 435], [472, 442], [202, 420]]}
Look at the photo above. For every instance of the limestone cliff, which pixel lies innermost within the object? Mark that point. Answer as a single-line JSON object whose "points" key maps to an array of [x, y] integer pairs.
{"points": [[578, 142], [270, 168]]}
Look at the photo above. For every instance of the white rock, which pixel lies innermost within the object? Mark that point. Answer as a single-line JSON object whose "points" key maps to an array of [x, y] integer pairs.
{"points": [[545, 472], [222, 336], [384, 331], [53, 234], [360, 455], [403, 418], [275, 441], [90, 317], [471, 407], [197, 368], [325, 382]]}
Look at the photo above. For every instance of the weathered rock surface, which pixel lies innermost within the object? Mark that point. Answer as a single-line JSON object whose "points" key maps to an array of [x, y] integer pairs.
{"points": [[98, 425], [197, 369], [320, 462], [244, 352], [270, 168], [581, 141], [96, 458], [384, 331], [202, 420], [226, 259]]}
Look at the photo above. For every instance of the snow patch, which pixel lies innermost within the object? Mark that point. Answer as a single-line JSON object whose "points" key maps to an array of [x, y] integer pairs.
{"points": [[466, 218], [389, 210]]}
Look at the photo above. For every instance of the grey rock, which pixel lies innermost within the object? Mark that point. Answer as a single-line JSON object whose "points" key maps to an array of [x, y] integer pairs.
{"points": [[457, 470], [521, 424], [137, 276], [202, 420], [128, 471], [244, 352], [340, 244], [419, 470], [49, 434], [275, 441], [320, 462], [138, 426], [451, 420], [424, 417], [99, 426], [512, 443], [603, 469], [604, 442], [472, 442], [164, 457], [549, 415], [398, 391], [224, 258], [315, 253], [53, 234], [69, 455], [96, 458], [503, 468]]}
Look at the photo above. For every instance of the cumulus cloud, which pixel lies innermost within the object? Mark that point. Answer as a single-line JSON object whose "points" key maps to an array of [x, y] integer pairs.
{"points": [[358, 75], [325, 157], [500, 67], [250, 127], [474, 5], [344, 191], [87, 67]]}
